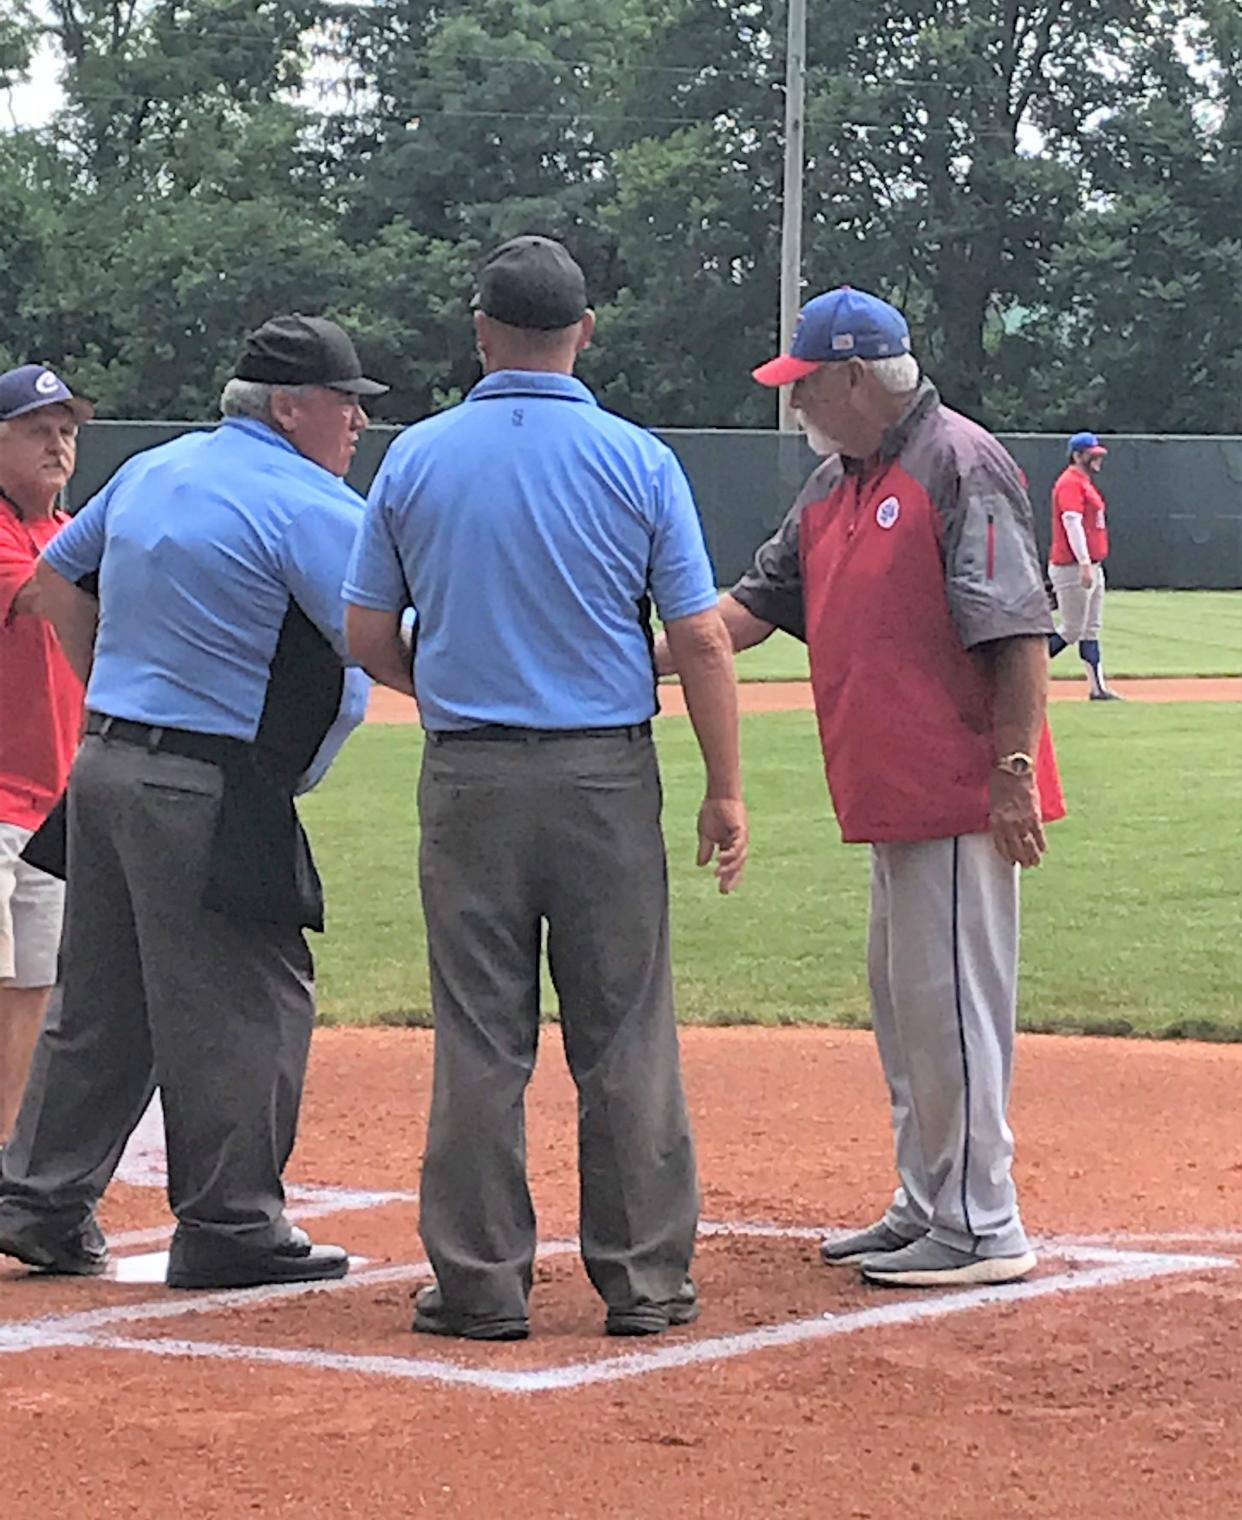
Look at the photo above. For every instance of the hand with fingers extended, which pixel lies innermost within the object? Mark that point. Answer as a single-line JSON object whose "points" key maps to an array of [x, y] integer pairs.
{"points": [[724, 834], [1015, 819]]}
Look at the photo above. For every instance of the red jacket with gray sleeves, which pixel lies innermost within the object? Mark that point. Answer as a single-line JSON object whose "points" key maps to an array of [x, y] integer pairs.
{"points": [[897, 571]]}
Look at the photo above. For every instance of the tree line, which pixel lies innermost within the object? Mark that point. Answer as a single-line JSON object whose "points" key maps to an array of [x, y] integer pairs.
{"points": [[1052, 189]]}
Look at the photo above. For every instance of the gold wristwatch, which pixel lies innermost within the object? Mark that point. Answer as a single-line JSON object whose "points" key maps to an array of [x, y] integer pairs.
{"points": [[1017, 764]]}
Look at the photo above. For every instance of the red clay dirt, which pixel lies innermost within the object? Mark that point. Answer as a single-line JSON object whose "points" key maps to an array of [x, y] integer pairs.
{"points": [[1118, 1401], [795, 696]]}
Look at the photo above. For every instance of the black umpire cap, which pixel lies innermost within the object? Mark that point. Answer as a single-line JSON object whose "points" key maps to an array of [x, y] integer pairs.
{"points": [[532, 282], [298, 350]]}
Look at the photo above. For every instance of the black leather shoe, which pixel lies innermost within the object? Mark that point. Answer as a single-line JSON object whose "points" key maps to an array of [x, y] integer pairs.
{"points": [[432, 1318], [654, 1318], [297, 1260], [77, 1252]]}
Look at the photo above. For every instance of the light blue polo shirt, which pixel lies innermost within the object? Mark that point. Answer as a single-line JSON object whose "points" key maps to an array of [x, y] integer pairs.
{"points": [[199, 545], [526, 527]]}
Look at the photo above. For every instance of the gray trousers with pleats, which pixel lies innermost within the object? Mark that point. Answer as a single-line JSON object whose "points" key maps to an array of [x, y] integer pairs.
{"points": [[158, 990], [518, 834]]}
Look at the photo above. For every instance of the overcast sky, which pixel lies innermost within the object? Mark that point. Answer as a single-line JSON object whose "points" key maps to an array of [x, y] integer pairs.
{"points": [[32, 104]]}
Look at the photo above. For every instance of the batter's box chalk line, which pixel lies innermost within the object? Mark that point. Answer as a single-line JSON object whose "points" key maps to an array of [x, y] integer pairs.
{"points": [[1096, 1267]]}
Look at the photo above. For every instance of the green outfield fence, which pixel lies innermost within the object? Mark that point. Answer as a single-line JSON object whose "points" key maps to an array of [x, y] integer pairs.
{"points": [[1175, 504]]}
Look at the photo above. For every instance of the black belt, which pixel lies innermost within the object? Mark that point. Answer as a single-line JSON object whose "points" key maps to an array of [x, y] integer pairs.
{"points": [[214, 749], [494, 732]]}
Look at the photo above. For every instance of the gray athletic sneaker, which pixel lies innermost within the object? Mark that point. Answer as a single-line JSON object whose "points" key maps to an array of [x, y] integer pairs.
{"points": [[849, 1250], [928, 1264]]}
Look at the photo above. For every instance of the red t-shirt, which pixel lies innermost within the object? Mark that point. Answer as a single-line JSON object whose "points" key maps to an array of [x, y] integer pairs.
{"points": [[1076, 492], [40, 697]]}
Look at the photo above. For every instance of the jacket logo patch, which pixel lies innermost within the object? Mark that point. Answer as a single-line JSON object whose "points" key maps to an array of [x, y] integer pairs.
{"points": [[887, 513]]}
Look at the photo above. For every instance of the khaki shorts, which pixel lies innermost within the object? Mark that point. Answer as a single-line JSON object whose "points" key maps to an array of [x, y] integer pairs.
{"points": [[32, 909], [1081, 609]]}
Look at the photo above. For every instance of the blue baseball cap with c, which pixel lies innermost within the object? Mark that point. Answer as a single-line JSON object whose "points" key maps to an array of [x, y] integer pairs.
{"points": [[1086, 443], [840, 324], [31, 386]]}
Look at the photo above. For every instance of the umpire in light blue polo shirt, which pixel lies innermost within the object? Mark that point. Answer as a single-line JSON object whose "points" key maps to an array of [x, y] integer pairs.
{"points": [[530, 530], [217, 689]]}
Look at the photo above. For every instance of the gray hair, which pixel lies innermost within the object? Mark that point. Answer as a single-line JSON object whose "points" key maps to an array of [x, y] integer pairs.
{"points": [[253, 398], [898, 374]]}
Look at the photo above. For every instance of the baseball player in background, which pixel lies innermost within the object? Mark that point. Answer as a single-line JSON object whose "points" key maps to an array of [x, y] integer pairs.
{"points": [[1079, 549], [908, 565]]}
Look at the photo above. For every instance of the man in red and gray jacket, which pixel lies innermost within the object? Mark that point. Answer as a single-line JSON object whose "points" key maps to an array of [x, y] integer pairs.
{"points": [[908, 564]]}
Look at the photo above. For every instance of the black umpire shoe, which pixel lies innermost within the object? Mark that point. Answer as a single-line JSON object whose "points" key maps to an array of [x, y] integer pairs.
{"points": [[432, 1318], [296, 1260], [79, 1251], [654, 1318]]}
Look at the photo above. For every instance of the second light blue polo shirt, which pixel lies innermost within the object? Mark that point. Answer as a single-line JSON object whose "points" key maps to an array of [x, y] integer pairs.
{"points": [[200, 545], [526, 527]]}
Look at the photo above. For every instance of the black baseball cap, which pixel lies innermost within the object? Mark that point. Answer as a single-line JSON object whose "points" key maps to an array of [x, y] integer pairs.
{"points": [[532, 282], [32, 386], [298, 350]]}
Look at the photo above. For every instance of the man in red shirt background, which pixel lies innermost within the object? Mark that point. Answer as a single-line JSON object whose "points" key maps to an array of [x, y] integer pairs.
{"points": [[1079, 549], [40, 706]]}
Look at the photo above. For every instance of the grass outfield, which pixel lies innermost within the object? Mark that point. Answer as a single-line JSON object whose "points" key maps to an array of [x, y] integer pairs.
{"points": [[1130, 926], [1146, 633]]}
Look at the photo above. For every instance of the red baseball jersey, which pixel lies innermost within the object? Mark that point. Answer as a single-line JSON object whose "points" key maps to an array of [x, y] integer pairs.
{"points": [[1076, 492]]}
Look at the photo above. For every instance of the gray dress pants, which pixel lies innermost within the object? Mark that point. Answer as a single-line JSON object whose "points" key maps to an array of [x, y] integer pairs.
{"points": [[158, 990], [515, 834]]}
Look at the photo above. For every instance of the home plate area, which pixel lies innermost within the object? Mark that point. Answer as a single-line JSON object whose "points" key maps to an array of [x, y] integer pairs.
{"points": [[760, 1284], [761, 1287]]}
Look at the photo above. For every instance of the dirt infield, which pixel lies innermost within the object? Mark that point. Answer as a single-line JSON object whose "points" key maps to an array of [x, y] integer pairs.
{"points": [[1106, 1387], [795, 696]]}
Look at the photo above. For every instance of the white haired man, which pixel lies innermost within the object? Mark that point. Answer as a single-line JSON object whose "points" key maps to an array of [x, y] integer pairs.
{"points": [[40, 705], [217, 691], [908, 565]]}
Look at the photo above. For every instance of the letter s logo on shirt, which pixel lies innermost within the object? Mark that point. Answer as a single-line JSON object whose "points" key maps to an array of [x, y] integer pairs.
{"points": [[887, 513]]}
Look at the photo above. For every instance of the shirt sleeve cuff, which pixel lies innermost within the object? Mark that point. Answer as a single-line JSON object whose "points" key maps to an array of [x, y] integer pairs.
{"points": [[374, 601], [66, 564], [689, 607]]}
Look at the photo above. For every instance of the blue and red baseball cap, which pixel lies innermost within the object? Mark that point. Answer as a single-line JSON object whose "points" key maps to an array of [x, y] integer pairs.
{"points": [[31, 386], [1085, 443], [840, 324]]}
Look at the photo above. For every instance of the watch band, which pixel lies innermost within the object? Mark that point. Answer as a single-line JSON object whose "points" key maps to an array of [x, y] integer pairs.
{"points": [[1018, 763]]}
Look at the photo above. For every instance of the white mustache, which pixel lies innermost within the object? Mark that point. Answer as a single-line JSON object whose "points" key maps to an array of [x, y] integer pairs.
{"points": [[822, 443]]}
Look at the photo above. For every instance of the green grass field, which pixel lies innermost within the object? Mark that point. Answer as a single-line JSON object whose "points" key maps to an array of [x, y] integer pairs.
{"points": [[1130, 925], [1146, 633]]}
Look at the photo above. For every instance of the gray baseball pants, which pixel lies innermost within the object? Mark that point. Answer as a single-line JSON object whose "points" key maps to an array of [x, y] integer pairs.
{"points": [[517, 833], [158, 990], [943, 962], [1081, 607]]}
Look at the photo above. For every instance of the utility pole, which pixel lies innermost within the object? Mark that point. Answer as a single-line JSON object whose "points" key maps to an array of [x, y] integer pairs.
{"points": [[791, 226]]}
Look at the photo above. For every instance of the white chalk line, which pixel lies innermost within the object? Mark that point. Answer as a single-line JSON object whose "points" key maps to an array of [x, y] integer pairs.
{"points": [[48, 1330], [1121, 1268], [1111, 1268], [305, 1203]]}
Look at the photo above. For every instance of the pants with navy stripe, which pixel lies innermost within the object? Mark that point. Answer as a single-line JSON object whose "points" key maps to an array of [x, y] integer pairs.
{"points": [[943, 963]]}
